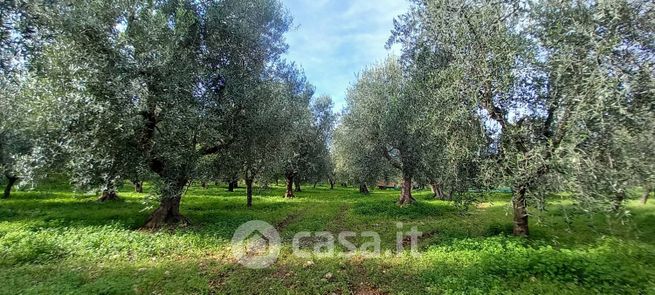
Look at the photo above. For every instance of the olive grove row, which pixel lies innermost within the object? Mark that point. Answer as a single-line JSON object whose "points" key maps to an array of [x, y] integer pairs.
{"points": [[540, 96]]}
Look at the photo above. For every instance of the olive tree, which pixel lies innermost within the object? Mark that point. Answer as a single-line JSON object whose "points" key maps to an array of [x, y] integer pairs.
{"points": [[158, 76], [14, 138], [357, 159], [296, 154], [323, 125], [382, 111], [268, 108], [546, 80], [600, 66], [20, 40]]}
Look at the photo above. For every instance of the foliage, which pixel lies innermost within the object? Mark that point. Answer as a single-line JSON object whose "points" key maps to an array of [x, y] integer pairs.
{"points": [[552, 82], [142, 87]]}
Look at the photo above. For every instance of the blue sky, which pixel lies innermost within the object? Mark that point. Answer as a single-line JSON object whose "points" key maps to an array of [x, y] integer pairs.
{"points": [[335, 39]]}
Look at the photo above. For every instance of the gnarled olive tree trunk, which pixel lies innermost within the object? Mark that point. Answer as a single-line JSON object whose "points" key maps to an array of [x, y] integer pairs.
{"points": [[289, 181], [108, 195], [406, 192], [169, 207], [363, 188], [519, 204], [109, 190], [437, 190], [11, 180]]}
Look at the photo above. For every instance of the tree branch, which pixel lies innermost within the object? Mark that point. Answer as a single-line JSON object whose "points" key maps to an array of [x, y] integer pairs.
{"points": [[392, 161], [210, 150]]}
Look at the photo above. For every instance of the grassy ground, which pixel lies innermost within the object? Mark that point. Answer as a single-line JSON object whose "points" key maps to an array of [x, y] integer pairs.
{"points": [[53, 241]]}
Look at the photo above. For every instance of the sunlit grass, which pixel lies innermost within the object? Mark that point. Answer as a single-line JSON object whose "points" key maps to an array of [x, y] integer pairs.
{"points": [[54, 241]]}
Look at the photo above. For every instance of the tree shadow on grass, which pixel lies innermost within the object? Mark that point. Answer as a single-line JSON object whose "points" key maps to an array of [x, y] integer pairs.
{"points": [[502, 265], [485, 265], [322, 209], [218, 216], [112, 277]]}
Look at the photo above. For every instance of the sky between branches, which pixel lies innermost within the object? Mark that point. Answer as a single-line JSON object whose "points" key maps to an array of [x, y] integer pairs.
{"points": [[334, 39]]}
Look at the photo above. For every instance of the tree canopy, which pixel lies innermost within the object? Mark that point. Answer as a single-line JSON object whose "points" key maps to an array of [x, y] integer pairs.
{"points": [[540, 97]]}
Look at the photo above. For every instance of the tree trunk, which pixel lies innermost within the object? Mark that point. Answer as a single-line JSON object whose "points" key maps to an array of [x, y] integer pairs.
{"points": [[236, 183], [315, 183], [449, 196], [11, 180], [406, 192], [289, 180], [168, 212], [249, 191], [138, 186], [230, 186], [520, 213], [296, 183], [203, 184], [332, 184], [363, 188], [644, 197], [437, 191], [108, 195]]}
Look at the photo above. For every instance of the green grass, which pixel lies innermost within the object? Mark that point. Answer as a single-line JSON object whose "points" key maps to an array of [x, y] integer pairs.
{"points": [[53, 241]]}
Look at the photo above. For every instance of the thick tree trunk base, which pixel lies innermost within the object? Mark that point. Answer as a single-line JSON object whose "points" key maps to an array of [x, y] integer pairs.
{"points": [[363, 189], [520, 214], [108, 196], [289, 192], [10, 184], [521, 228], [437, 192], [406, 193], [168, 214], [406, 201]]}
